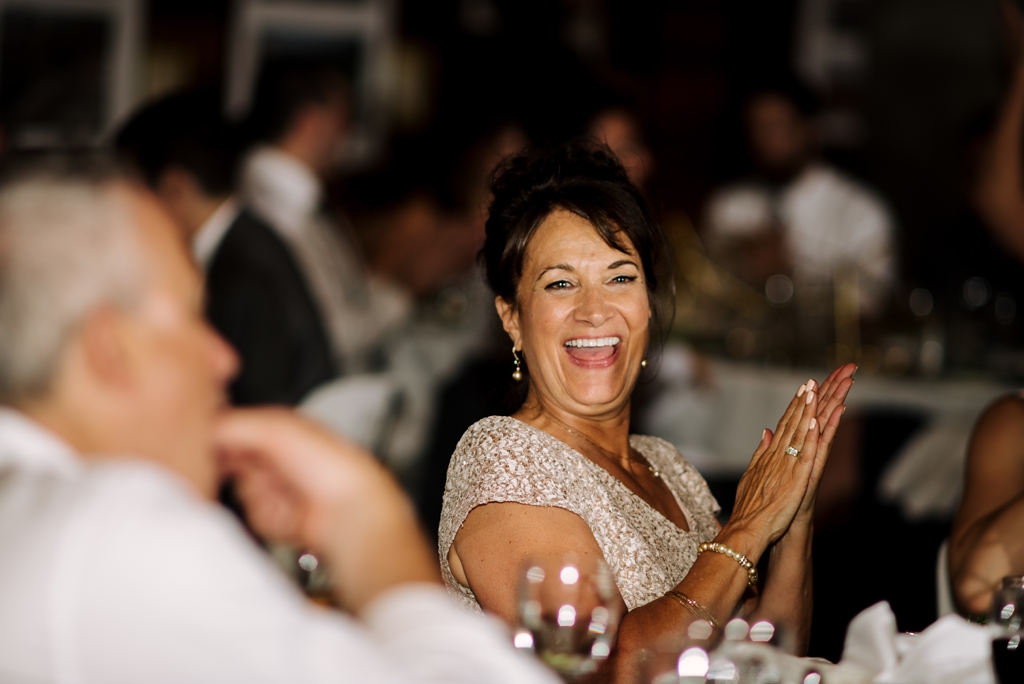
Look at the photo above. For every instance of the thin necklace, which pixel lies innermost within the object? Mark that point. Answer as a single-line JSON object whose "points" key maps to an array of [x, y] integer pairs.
{"points": [[604, 452]]}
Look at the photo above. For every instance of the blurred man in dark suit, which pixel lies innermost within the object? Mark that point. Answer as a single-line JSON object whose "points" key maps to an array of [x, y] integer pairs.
{"points": [[257, 297], [300, 126]]}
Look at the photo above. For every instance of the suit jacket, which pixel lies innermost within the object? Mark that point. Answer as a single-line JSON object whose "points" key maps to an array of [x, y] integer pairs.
{"points": [[259, 301]]}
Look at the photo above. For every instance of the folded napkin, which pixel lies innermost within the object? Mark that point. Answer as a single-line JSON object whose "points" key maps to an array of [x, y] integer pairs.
{"points": [[950, 651]]}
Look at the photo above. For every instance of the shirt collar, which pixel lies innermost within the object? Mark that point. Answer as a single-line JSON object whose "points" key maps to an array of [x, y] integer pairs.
{"points": [[208, 238], [280, 188], [26, 444]]}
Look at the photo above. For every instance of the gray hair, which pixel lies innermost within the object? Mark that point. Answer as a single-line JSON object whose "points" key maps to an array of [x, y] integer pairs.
{"points": [[67, 247]]}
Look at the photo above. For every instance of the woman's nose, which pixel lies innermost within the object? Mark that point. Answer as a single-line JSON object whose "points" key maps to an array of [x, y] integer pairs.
{"points": [[593, 307]]}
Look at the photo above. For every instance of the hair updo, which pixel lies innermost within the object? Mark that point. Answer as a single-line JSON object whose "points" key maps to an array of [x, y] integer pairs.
{"points": [[585, 178]]}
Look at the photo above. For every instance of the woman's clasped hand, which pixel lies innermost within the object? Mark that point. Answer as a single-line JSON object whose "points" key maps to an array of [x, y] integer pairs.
{"points": [[779, 487]]}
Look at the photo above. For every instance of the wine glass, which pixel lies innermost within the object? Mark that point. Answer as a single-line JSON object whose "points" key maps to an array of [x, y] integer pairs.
{"points": [[1005, 624], [569, 612]]}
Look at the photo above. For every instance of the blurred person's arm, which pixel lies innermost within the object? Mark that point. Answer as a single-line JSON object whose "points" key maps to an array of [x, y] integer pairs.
{"points": [[301, 485], [999, 193], [987, 540]]}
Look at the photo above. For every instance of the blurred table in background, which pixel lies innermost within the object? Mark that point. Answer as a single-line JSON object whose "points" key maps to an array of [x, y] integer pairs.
{"points": [[717, 426]]}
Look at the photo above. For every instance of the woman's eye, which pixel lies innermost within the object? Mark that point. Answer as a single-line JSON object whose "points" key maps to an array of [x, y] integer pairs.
{"points": [[559, 285], [623, 279]]}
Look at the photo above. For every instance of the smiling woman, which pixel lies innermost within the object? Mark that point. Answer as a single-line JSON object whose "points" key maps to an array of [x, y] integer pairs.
{"points": [[578, 266]]}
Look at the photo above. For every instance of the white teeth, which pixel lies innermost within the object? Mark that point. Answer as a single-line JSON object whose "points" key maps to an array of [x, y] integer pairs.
{"points": [[594, 342]]}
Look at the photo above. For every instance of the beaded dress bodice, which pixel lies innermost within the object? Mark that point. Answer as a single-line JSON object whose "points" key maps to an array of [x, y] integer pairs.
{"points": [[501, 459]]}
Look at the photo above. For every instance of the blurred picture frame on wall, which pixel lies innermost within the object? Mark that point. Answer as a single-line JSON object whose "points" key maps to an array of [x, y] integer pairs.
{"points": [[68, 70], [354, 36]]}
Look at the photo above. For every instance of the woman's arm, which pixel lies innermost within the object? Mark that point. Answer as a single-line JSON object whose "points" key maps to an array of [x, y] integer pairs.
{"points": [[496, 539], [987, 540], [786, 600]]}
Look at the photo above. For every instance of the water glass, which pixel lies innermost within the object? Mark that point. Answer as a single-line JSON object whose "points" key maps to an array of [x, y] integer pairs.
{"points": [[569, 612], [1005, 624]]}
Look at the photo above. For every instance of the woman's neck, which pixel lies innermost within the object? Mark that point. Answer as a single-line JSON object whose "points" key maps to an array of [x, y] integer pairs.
{"points": [[609, 432]]}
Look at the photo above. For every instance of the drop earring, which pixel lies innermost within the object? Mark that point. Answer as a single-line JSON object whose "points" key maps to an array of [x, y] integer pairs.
{"points": [[517, 374], [643, 364]]}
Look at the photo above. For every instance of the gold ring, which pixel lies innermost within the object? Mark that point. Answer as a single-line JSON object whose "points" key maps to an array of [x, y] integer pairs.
{"points": [[792, 452]]}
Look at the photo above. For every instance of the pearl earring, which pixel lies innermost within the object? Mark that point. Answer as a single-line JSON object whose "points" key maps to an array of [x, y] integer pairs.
{"points": [[643, 364], [517, 374]]}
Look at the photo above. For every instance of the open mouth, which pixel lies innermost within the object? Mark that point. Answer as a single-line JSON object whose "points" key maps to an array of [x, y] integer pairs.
{"points": [[593, 351]]}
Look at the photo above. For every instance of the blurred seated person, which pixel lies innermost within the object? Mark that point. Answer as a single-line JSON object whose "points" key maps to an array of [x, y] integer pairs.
{"points": [[987, 539], [578, 264], [619, 129], [420, 221], [117, 567], [797, 215], [256, 295], [300, 118]]}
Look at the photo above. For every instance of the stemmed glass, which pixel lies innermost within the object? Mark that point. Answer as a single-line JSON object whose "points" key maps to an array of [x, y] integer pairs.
{"points": [[568, 612], [1005, 623]]}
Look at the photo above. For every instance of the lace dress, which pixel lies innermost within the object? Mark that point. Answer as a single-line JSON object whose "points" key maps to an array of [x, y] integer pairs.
{"points": [[502, 459]]}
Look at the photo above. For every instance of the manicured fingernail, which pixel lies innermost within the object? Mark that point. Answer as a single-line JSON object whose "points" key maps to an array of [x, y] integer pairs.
{"points": [[843, 412], [810, 384], [813, 424], [763, 433], [800, 392], [810, 397]]}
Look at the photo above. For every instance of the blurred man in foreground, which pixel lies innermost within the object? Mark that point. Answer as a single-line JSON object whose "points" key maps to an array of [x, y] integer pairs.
{"points": [[116, 566]]}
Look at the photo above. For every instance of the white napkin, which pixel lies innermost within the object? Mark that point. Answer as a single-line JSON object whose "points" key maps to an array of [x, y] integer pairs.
{"points": [[950, 651]]}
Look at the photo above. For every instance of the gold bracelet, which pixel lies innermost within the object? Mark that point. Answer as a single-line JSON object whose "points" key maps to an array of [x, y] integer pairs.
{"points": [[695, 608], [738, 557]]}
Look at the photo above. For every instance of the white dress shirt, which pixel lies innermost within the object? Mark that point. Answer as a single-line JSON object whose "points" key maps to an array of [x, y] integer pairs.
{"points": [[115, 572], [357, 308], [829, 221], [209, 236]]}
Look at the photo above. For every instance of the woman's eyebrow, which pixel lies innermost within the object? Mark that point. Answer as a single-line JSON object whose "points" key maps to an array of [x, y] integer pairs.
{"points": [[556, 267], [624, 262]]}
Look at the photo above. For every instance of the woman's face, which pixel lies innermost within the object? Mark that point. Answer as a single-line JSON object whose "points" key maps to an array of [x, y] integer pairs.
{"points": [[582, 320]]}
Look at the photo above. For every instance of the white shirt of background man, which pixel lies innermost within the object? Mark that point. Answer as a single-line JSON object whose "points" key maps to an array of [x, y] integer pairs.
{"points": [[829, 220]]}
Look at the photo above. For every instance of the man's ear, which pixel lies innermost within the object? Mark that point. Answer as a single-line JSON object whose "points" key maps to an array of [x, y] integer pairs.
{"points": [[509, 320], [104, 340]]}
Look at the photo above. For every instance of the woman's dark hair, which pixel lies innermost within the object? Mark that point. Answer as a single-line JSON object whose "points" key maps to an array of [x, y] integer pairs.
{"points": [[583, 177]]}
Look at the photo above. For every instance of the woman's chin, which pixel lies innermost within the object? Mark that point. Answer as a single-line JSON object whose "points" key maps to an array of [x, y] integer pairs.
{"points": [[600, 395]]}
